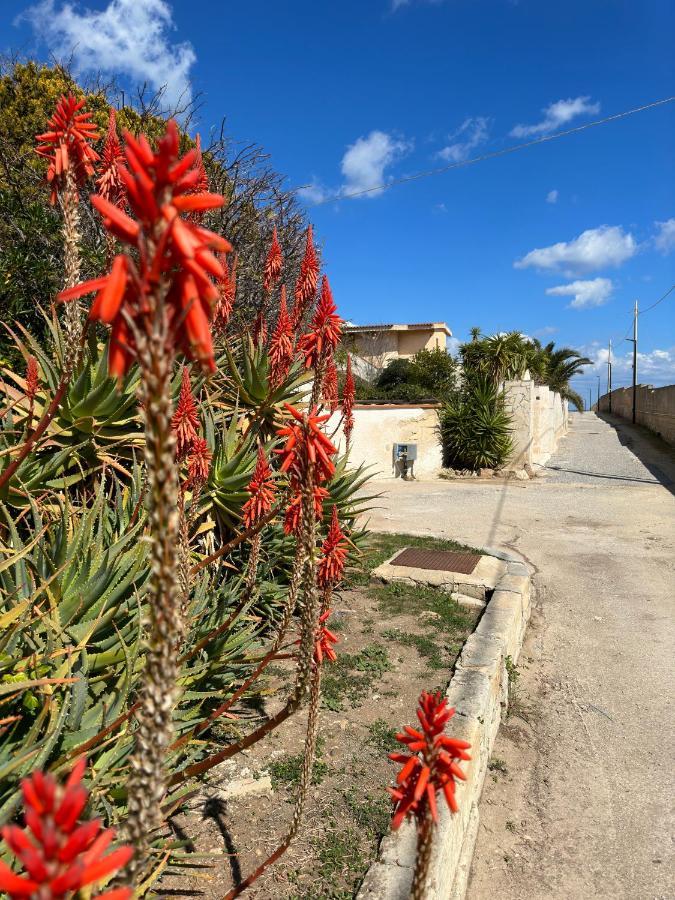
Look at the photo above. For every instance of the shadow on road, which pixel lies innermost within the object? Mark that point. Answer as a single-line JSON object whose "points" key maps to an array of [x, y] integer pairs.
{"points": [[654, 454]]}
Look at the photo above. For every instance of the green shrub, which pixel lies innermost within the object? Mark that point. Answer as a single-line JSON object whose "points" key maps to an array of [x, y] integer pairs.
{"points": [[475, 427]]}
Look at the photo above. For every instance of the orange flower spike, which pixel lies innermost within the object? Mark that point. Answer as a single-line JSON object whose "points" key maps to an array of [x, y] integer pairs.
{"points": [[325, 639], [305, 287], [199, 463], [281, 348], [325, 329], [334, 553], [67, 145], [32, 378], [348, 397], [59, 855], [109, 181], [165, 245], [185, 421], [262, 491], [273, 263], [432, 766]]}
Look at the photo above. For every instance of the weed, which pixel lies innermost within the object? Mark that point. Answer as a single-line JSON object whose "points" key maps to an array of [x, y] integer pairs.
{"points": [[339, 855], [371, 814], [510, 826], [287, 771], [426, 648], [382, 737], [343, 682], [498, 765]]}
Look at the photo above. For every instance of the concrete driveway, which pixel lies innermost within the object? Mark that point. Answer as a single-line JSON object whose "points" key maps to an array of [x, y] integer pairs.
{"points": [[579, 802]]}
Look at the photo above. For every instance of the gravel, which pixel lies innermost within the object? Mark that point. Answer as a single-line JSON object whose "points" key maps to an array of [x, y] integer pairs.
{"points": [[595, 451]]}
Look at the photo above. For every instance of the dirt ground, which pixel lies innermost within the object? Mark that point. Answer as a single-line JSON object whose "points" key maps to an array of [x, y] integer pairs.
{"points": [[394, 642]]}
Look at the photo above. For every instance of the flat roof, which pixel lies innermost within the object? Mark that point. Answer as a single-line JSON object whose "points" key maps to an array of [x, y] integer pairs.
{"points": [[396, 326]]}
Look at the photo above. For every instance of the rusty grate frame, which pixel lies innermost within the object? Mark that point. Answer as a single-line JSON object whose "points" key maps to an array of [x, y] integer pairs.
{"points": [[437, 560]]}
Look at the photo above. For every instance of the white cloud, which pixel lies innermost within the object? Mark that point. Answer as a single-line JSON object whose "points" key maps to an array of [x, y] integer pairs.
{"points": [[473, 132], [129, 37], [366, 160], [596, 248], [665, 238], [595, 292], [654, 367], [552, 196], [545, 331], [556, 115], [314, 192]]}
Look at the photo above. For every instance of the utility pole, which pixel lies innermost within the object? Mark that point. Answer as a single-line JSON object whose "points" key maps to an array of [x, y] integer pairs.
{"points": [[590, 399], [635, 339], [609, 377], [598, 394]]}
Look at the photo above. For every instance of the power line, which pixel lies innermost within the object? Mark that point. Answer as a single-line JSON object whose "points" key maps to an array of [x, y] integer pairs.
{"points": [[485, 156], [660, 300]]}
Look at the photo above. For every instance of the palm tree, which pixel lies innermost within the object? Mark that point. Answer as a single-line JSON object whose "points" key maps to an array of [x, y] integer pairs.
{"points": [[563, 365]]}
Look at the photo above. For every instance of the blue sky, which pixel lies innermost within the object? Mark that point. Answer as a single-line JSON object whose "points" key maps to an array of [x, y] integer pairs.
{"points": [[557, 240]]}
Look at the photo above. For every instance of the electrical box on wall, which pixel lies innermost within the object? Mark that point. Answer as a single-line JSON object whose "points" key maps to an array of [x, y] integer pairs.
{"points": [[405, 451]]}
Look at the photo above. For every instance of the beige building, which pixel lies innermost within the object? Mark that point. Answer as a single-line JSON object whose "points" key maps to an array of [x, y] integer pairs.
{"points": [[373, 346]]}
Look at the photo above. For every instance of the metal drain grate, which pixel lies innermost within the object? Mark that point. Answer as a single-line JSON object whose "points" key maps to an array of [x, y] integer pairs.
{"points": [[439, 560]]}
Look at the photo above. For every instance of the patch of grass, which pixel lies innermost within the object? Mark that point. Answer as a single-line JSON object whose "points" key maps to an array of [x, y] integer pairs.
{"points": [[351, 677], [510, 826], [287, 770], [382, 545], [498, 765], [339, 857], [398, 599], [426, 648], [382, 737], [371, 814]]}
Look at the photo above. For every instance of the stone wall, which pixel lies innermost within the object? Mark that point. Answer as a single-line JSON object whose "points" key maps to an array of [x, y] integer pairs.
{"points": [[378, 427], [539, 419], [655, 408]]}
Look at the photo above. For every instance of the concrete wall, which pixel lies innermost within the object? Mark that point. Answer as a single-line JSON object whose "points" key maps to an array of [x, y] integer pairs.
{"points": [[378, 428], [539, 419], [655, 408]]}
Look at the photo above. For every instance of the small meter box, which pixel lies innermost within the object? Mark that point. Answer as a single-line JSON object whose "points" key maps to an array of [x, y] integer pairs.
{"points": [[404, 459], [405, 451]]}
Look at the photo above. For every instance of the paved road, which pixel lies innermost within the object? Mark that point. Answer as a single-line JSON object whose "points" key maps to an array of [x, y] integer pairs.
{"points": [[584, 808]]}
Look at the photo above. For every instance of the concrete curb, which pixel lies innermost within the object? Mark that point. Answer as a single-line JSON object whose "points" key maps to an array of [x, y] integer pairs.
{"points": [[479, 693]]}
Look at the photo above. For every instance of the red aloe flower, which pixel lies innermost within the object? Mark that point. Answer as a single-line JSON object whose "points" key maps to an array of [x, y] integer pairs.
{"points": [[32, 378], [306, 445], [260, 329], [292, 519], [227, 291], [305, 287], [325, 329], [185, 421], [67, 143], [334, 552], [59, 855], [329, 386], [262, 490], [199, 463], [160, 187], [202, 183], [348, 395], [430, 766], [281, 344], [323, 645], [273, 263], [109, 180]]}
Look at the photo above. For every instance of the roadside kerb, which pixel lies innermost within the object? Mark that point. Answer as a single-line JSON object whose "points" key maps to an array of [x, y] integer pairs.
{"points": [[479, 691]]}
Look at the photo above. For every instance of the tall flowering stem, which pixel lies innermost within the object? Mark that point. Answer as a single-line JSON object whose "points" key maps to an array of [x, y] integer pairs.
{"points": [[59, 854], [282, 343], [321, 340], [430, 767], [348, 396], [109, 181], [305, 287], [158, 301], [67, 145], [273, 263]]}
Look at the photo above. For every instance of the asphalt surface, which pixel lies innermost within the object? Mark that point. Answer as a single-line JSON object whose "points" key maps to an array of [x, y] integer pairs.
{"points": [[581, 803]]}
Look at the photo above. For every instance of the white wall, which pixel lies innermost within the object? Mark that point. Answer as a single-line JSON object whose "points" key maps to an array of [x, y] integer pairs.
{"points": [[378, 428]]}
